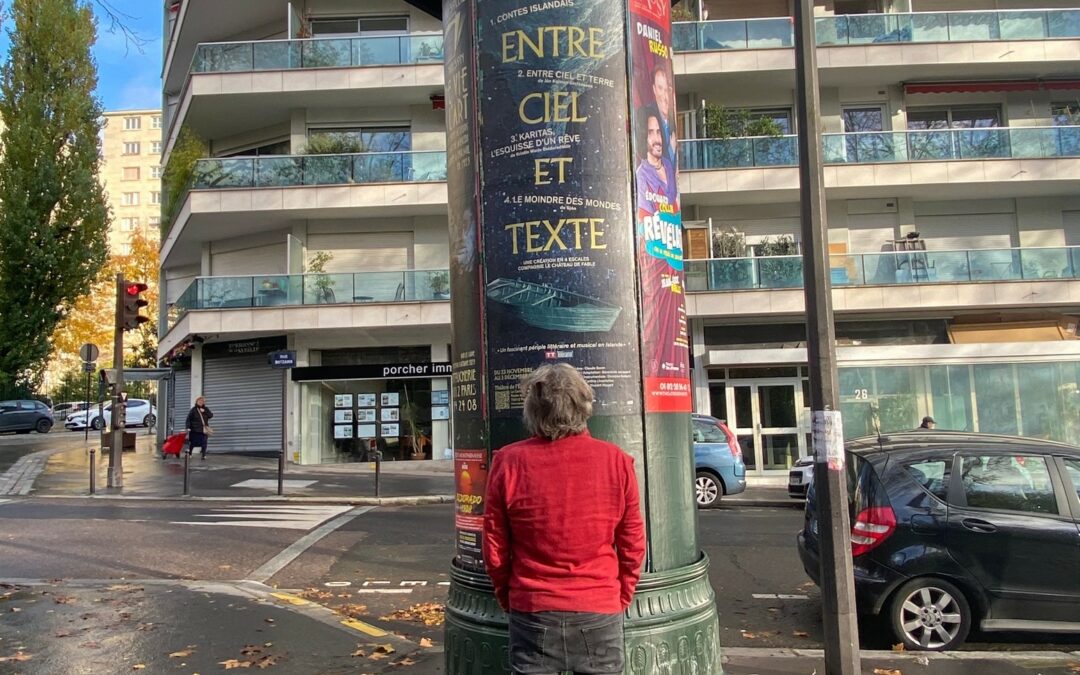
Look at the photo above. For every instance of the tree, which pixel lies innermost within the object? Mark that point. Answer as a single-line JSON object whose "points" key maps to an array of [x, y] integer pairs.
{"points": [[54, 218]]}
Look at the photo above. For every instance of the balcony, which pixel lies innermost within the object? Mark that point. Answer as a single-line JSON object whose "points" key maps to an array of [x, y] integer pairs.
{"points": [[860, 29], [898, 268], [885, 146], [272, 304], [291, 290], [233, 87], [272, 171], [890, 284], [238, 57], [231, 197], [930, 164]]}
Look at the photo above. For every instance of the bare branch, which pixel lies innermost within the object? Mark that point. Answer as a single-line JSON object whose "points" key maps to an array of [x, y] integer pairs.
{"points": [[117, 21]]}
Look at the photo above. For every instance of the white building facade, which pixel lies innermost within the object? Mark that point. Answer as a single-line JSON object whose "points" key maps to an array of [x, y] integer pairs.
{"points": [[317, 222]]}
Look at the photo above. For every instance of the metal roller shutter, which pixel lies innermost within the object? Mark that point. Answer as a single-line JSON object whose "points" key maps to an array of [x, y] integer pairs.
{"points": [[180, 399], [245, 395]]}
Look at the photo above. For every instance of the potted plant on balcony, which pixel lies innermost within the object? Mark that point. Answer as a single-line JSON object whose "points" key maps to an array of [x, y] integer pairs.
{"points": [[439, 282], [776, 271], [733, 274], [323, 283]]}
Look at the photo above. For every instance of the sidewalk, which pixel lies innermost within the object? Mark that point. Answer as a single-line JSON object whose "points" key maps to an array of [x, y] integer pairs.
{"points": [[147, 476], [66, 473]]}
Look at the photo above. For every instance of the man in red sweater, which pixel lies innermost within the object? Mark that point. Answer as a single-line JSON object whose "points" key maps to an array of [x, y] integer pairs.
{"points": [[563, 534]]}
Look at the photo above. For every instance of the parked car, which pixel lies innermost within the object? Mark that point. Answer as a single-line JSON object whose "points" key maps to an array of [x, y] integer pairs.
{"points": [[62, 410], [139, 413], [24, 416], [718, 462], [799, 477], [952, 531]]}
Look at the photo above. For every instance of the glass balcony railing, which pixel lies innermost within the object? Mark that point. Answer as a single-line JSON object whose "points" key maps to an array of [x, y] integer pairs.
{"points": [[297, 170], [394, 50], [888, 269], [856, 29], [291, 290], [885, 146]]}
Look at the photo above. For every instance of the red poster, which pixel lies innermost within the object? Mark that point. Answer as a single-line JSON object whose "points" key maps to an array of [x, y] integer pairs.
{"points": [[470, 478], [658, 220]]}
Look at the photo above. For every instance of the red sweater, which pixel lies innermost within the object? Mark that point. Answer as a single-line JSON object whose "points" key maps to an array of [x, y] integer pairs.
{"points": [[562, 526]]}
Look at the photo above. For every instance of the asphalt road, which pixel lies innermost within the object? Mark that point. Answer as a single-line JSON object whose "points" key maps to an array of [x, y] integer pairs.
{"points": [[379, 562]]}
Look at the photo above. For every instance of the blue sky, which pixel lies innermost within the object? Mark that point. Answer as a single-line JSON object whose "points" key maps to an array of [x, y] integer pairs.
{"points": [[129, 77]]}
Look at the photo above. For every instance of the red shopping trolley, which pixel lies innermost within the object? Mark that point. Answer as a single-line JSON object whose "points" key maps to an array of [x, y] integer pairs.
{"points": [[173, 445]]}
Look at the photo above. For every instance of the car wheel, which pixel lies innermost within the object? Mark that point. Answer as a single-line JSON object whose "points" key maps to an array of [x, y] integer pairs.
{"points": [[707, 489], [149, 421], [43, 426], [930, 615], [98, 424]]}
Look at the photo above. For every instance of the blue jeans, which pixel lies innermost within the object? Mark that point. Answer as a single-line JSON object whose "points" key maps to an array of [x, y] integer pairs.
{"points": [[546, 643]]}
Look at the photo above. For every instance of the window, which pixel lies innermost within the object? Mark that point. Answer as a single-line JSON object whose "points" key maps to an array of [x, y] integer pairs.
{"points": [[954, 118], [131, 173], [132, 123], [1072, 467], [933, 475], [155, 147], [705, 432], [155, 122], [129, 224], [362, 139], [129, 199], [1065, 114], [275, 148], [155, 197], [156, 172], [1008, 483], [154, 221], [131, 148], [352, 25], [26, 405]]}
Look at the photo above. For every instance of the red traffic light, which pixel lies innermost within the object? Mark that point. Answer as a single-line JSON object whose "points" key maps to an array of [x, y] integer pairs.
{"points": [[134, 288], [131, 304]]}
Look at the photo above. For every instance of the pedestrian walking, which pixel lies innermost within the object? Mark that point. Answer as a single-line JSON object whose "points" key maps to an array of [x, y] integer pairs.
{"points": [[564, 538], [198, 426]]}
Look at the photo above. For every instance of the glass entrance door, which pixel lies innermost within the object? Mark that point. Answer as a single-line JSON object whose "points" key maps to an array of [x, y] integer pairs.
{"points": [[766, 422]]}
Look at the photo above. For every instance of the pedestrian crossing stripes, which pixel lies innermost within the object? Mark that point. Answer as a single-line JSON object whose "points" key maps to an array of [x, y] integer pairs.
{"points": [[286, 516]]}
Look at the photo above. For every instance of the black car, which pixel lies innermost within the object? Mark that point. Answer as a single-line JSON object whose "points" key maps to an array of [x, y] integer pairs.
{"points": [[952, 530], [25, 416]]}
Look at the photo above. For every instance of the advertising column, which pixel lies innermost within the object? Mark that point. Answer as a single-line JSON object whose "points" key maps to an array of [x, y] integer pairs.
{"points": [[566, 247]]}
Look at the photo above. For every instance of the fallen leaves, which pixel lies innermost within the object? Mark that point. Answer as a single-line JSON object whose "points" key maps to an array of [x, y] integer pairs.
{"points": [[1074, 667], [183, 653], [899, 647], [353, 611], [430, 613], [374, 652], [261, 662], [234, 663], [316, 594], [887, 671], [754, 635], [425, 642], [17, 657], [139, 666]]}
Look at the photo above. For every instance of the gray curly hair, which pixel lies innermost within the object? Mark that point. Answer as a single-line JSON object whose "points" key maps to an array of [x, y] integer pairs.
{"points": [[558, 401]]}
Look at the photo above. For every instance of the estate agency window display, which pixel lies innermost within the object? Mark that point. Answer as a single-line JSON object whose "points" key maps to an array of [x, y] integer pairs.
{"points": [[348, 420]]}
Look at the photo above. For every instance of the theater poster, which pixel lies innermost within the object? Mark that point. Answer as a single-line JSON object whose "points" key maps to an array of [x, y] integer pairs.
{"points": [[658, 222]]}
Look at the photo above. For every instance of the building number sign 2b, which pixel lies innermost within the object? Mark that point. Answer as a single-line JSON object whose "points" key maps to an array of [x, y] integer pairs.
{"points": [[862, 394]]}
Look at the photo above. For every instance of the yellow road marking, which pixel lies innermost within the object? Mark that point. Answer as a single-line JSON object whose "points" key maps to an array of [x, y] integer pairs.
{"points": [[291, 599], [364, 627]]}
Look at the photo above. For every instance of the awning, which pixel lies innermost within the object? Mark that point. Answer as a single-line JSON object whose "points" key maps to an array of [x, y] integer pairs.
{"points": [[989, 86]]}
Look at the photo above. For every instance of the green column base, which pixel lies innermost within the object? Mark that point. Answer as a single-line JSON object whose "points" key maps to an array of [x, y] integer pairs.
{"points": [[671, 627]]}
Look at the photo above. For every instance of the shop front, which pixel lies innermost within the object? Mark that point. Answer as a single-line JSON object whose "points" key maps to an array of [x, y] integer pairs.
{"points": [[348, 412], [1019, 389]]}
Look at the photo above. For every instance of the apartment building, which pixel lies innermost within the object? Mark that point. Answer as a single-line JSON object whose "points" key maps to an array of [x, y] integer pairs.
{"points": [[318, 221], [131, 173]]}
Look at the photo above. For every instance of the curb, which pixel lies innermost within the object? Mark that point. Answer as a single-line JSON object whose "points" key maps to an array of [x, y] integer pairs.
{"points": [[884, 655], [417, 500], [768, 503]]}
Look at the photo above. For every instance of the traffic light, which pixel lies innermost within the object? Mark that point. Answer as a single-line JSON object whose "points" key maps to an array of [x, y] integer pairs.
{"points": [[133, 304]]}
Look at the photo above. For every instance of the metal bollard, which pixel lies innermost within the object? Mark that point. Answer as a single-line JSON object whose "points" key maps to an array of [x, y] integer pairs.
{"points": [[93, 471], [187, 472], [378, 470]]}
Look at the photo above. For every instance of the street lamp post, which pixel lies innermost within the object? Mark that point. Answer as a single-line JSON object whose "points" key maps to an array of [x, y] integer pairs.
{"points": [[837, 579]]}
